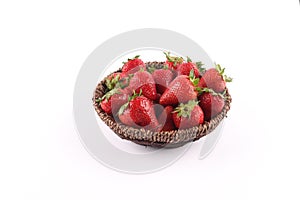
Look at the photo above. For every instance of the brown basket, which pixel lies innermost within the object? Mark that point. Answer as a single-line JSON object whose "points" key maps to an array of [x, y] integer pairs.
{"points": [[144, 137]]}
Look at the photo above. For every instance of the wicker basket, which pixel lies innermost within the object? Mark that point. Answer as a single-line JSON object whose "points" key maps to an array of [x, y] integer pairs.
{"points": [[144, 137]]}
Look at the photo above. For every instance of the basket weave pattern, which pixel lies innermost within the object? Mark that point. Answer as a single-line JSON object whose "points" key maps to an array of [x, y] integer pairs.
{"points": [[145, 137]]}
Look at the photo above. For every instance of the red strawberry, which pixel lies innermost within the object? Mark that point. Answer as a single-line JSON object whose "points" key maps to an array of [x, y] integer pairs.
{"points": [[215, 79], [106, 106], [186, 67], [124, 111], [211, 103], [143, 80], [188, 115], [112, 80], [181, 90], [142, 112], [166, 119], [157, 97], [133, 65], [162, 78], [172, 61], [113, 100], [126, 119]]}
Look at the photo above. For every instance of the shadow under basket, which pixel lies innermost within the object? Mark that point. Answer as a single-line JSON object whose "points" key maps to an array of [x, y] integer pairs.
{"points": [[174, 138]]}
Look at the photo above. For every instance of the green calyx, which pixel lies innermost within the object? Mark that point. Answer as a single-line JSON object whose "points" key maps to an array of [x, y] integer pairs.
{"points": [[152, 68], [185, 110], [175, 60], [193, 79], [188, 59], [130, 98], [108, 95], [209, 90], [135, 57], [221, 72], [200, 68], [124, 82], [111, 83]]}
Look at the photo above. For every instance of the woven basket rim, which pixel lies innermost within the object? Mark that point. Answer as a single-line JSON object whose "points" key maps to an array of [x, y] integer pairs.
{"points": [[174, 138]]}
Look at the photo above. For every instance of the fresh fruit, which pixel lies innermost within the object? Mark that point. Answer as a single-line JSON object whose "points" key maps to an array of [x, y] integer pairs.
{"points": [[188, 115], [106, 106], [162, 78], [212, 103], [113, 100], [133, 65], [124, 111], [143, 80], [172, 61], [181, 89], [215, 79], [126, 119], [176, 94], [186, 67], [142, 112], [166, 119]]}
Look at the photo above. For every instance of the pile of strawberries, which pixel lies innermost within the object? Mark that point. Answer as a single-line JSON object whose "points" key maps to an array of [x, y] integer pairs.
{"points": [[177, 95]]}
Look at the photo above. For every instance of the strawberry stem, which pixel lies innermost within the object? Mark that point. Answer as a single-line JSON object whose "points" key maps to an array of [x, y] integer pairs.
{"points": [[111, 83], [193, 79], [130, 98], [200, 68], [209, 90], [175, 60], [221, 72], [185, 110], [108, 95]]}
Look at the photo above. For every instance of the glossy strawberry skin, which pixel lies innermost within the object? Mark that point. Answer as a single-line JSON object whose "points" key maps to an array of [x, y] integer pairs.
{"points": [[166, 119], [113, 103], [197, 117], [211, 104], [132, 66], [117, 100], [126, 119], [162, 78], [106, 106], [185, 69], [180, 90], [171, 65], [142, 112], [212, 79], [143, 80]]}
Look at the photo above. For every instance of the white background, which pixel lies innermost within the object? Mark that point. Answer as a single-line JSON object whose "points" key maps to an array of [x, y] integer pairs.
{"points": [[43, 45]]}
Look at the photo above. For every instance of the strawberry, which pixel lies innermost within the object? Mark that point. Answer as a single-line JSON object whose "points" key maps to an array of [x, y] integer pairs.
{"points": [[166, 119], [188, 115], [138, 111], [212, 103], [143, 80], [124, 111], [126, 119], [112, 80], [113, 100], [172, 61], [106, 106], [162, 78], [186, 67], [181, 90], [215, 79], [133, 65], [142, 112]]}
